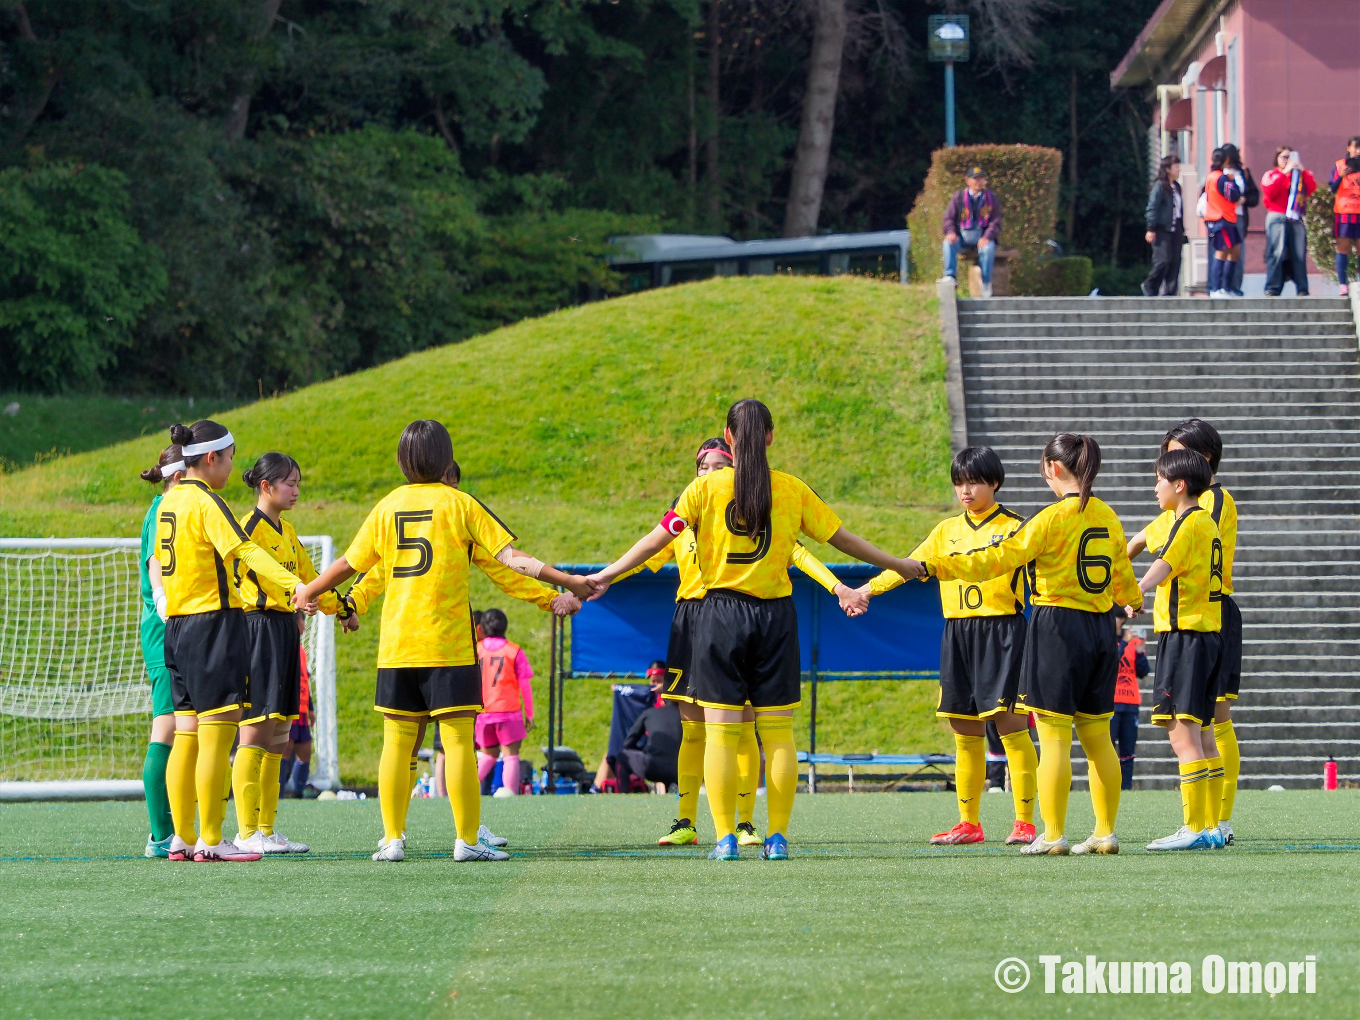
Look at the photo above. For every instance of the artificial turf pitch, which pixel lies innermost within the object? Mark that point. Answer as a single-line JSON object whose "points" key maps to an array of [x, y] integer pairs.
{"points": [[590, 919]]}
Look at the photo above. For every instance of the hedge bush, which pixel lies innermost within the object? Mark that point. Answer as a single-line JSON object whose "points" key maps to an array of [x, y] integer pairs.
{"points": [[1025, 178], [1317, 218], [1065, 277]]}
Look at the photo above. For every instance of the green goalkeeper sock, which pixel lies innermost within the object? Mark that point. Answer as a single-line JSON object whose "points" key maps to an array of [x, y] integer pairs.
{"points": [[157, 799]]}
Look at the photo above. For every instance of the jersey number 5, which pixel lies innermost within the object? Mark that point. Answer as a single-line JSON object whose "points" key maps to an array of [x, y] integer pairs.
{"points": [[404, 541], [762, 540], [1086, 562], [168, 543]]}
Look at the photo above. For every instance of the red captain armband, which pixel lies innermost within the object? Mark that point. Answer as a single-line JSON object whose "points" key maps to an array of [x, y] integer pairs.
{"points": [[674, 523]]}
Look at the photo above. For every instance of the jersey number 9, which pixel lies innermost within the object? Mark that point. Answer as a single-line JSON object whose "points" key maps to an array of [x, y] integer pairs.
{"points": [[762, 540], [404, 541], [168, 543], [1086, 562]]}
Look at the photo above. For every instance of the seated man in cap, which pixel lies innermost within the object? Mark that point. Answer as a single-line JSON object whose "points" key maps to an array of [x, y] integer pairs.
{"points": [[972, 219]]}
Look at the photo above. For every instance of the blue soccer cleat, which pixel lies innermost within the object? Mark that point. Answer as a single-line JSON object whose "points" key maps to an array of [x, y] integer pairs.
{"points": [[726, 850], [776, 848], [159, 847], [1184, 838], [1216, 838]]}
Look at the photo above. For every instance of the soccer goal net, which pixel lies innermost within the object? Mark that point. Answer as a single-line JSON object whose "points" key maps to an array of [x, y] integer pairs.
{"points": [[75, 699]]}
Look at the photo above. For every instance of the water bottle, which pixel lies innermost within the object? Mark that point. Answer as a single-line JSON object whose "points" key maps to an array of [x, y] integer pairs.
{"points": [[1329, 774]]}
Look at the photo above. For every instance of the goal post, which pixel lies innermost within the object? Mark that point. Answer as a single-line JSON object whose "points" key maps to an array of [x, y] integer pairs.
{"points": [[75, 699]]}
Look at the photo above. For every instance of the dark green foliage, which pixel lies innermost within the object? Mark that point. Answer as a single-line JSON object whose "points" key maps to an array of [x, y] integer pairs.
{"points": [[1064, 277], [74, 275]]}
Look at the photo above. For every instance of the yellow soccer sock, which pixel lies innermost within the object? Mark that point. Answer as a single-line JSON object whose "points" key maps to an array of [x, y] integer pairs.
{"points": [[394, 774], [1226, 739], [748, 771], [1054, 773], [1102, 772], [689, 768], [1194, 792], [460, 770], [210, 776], [245, 781], [1024, 763], [269, 790], [781, 770], [179, 783], [720, 774], [1214, 793], [970, 769], [415, 769]]}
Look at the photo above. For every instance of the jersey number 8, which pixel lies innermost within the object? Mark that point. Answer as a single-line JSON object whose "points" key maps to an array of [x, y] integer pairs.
{"points": [[1086, 562]]}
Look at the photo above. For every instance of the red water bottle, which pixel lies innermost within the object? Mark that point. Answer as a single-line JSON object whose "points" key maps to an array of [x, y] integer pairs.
{"points": [[1329, 774]]}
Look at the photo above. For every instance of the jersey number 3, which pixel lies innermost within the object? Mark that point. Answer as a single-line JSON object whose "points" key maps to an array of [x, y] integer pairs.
{"points": [[762, 540], [1087, 562], [168, 543], [404, 541]]}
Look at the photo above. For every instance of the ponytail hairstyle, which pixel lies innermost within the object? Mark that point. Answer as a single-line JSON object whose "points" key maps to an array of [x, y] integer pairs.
{"points": [[198, 433], [717, 443], [1199, 437], [750, 422], [425, 452], [272, 468], [1163, 171], [171, 456], [1080, 455]]}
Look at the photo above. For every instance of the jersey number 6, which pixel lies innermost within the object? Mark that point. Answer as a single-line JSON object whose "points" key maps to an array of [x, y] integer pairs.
{"points": [[404, 541], [168, 543], [762, 540], [1087, 562]]}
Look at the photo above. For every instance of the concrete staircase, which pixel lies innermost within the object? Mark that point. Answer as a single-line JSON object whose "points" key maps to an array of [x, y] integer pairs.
{"points": [[1280, 379]]}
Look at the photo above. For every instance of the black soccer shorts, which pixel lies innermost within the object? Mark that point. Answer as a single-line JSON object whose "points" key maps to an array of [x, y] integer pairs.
{"points": [[1070, 665], [429, 690], [745, 649], [980, 659], [678, 650], [209, 658], [1188, 664], [274, 687], [1230, 670]]}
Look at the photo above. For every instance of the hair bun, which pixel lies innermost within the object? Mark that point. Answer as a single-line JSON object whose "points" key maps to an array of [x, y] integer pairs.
{"points": [[181, 435], [250, 478], [153, 474]]}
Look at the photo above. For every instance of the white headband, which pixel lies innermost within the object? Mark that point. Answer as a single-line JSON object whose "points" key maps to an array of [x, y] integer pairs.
{"points": [[212, 446], [169, 469]]}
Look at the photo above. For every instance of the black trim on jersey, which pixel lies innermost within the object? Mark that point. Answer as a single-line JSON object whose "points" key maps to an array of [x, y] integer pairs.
{"points": [[1000, 511], [1173, 610], [221, 580], [513, 536], [258, 516], [1170, 535], [260, 600], [1217, 511], [221, 505]]}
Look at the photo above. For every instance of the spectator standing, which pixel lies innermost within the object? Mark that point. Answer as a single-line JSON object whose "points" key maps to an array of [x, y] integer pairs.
{"points": [[1218, 206], [1165, 229], [972, 221], [651, 750], [1133, 666], [1251, 198], [1285, 187], [1345, 182]]}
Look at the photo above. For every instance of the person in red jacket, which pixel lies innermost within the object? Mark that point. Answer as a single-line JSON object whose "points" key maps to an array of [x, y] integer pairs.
{"points": [[1133, 666], [1285, 188], [1345, 182]]}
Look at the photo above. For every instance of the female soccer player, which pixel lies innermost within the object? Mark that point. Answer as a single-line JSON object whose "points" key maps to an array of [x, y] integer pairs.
{"points": [[421, 537], [168, 470], [1188, 576], [981, 650], [206, 650], [744, 637], [273, 630], [1080, 569], [713, 455], [1202, 438]]}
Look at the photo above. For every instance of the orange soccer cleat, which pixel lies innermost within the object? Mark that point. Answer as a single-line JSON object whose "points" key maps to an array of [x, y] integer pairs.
{"points": [[1022, 833], [964, 832]]}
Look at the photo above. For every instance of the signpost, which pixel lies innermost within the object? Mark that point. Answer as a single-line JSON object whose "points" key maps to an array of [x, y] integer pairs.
{"points": [[948, 44]]}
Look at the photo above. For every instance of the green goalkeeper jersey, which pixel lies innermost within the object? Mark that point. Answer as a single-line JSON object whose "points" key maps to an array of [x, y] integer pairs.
{"points": [[153, 630]]}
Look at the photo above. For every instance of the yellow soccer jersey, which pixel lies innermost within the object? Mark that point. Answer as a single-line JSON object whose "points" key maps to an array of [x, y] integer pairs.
{"points": [[1079, 558], [1192, 597], [197, 544], [369, 585], [684, 550], [283, 544], [421, 538], [1223, 509], [727, 557], [1001, 596]]}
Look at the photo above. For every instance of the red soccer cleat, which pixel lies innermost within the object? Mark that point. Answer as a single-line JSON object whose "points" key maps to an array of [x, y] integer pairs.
{"points": [[1022, 833], [964, 832]]}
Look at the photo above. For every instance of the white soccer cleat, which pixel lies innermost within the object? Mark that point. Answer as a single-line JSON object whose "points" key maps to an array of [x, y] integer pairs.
{"points": [[224, 851], [252, 844], [484, 833], [478, 851], [391, 850], [1184, 838], [1042, 847], [1093, 844], [1225, 827], [383, 842], [277, 843], [503, 791], [180, 850]]}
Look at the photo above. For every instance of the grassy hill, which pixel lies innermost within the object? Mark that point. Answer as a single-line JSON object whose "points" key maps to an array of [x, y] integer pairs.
{"points": [[576, 429]]}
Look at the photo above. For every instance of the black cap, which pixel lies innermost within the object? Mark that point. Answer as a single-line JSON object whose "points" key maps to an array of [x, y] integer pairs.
{"points": [[977, 171]]}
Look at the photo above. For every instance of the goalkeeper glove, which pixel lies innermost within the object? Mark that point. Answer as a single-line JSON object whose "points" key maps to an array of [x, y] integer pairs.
{"points": [[159, 596]]}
